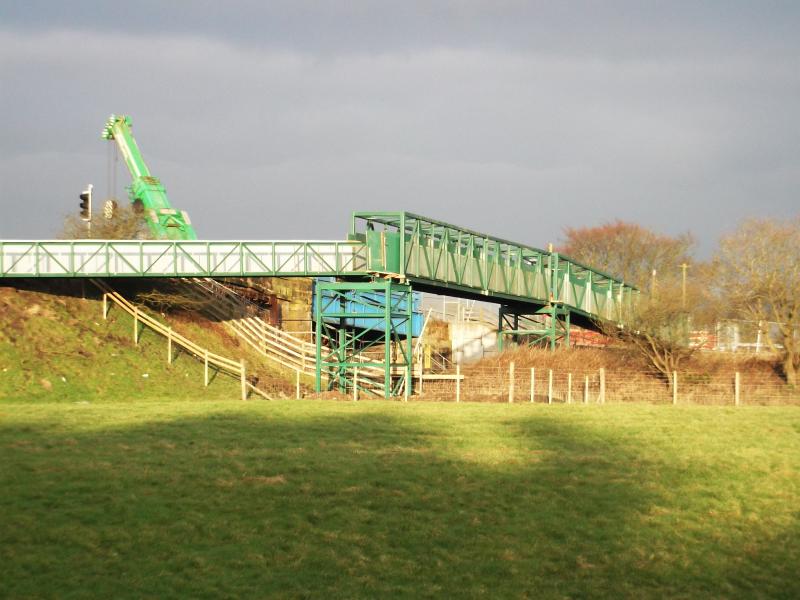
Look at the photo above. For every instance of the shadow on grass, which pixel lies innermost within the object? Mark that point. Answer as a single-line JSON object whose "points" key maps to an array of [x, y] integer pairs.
{"points": [[370, 505]]}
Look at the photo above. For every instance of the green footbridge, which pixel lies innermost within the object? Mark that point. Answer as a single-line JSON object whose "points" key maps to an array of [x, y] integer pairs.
{"points": [[385, 254]]}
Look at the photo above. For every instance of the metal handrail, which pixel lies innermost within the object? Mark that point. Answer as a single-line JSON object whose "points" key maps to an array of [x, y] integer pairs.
{"points": [[223, 363]]}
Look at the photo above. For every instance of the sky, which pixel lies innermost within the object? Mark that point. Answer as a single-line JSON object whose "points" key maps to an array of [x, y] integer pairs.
{"points": [[275, 120]]}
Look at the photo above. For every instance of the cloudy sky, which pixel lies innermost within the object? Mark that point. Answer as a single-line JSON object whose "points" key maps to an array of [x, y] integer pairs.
{"points": [[274, 120]]}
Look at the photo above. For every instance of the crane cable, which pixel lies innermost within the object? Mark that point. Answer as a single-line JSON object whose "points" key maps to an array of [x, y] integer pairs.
{"points": [[112, 164]]}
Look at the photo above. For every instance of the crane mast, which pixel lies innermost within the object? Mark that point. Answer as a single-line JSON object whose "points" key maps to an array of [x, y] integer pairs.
{"points": [[146, 191]]}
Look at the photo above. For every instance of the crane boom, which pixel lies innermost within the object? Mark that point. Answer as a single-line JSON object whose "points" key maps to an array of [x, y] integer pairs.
{"points": [[146, 191]]}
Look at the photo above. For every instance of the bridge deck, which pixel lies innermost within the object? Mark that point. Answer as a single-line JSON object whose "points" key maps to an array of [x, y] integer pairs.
{"points": [[431, 255], [451, 260], [157, 258]]}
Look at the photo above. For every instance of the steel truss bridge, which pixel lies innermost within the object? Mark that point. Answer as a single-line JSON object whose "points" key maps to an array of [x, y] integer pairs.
{"points": [[386, 254]]}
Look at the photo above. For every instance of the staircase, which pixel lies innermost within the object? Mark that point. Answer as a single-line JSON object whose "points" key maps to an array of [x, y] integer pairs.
{"points": [[242, 318]]}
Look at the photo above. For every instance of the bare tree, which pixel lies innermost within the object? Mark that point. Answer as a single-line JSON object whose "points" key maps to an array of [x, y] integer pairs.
{"points": [[126, 224], [758, 274], [164, 298], [659, 326], [628, 251]]}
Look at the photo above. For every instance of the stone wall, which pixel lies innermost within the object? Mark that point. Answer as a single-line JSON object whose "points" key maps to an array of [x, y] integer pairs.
{"points": [[293, 295]]}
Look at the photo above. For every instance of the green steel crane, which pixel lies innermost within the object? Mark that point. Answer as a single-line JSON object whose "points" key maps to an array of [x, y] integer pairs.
{"points": [[146, 192]]}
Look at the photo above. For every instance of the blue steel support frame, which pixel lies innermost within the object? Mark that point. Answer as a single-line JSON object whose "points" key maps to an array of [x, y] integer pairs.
{"points": [[351, 348]]}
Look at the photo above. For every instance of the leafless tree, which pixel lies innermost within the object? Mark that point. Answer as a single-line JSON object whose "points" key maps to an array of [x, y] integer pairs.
{"points": [[758, 274], [628, 251], [164, 298], [126, 224], [658, 324]]}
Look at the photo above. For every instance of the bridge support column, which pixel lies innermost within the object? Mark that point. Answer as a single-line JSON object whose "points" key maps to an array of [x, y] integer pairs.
{"points": [[365, 326], [546, 326]]}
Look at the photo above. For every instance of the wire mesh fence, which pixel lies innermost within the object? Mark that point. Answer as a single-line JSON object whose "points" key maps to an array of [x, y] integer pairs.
{"points": [[505, 383]]}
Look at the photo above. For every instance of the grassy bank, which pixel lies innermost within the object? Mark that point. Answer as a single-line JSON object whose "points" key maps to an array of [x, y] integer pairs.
{"points": [[382, 499], [55, 345]]}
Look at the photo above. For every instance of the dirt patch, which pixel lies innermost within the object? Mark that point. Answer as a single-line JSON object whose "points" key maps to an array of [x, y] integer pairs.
{"points": [[263, 480]]}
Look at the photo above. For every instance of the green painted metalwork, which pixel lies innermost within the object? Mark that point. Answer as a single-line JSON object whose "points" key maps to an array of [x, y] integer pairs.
{"points": [[541, 293], [382, 345], [548, 325], [163, 258], [450, 258], [164, 220], [430, 255]]}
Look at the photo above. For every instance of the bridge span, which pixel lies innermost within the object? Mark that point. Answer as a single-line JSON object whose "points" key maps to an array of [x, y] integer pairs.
{"points": [[540, 293]]}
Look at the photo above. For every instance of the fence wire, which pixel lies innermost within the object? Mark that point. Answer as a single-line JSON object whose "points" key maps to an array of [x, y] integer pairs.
{"points": [[497, 384]]}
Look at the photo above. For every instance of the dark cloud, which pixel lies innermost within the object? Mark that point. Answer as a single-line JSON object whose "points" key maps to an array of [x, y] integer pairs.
{"points": [[605, 28], [508, 117]]}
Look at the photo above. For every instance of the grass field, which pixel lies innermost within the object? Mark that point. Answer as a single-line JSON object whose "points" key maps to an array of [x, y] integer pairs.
{"points": [[383, 499]]}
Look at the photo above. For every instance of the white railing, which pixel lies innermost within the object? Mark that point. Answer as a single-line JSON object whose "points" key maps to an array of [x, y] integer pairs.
{"points": [[241, 317], [156, 258]]}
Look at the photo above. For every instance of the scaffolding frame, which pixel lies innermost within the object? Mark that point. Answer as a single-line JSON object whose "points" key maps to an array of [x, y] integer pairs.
{"points": [[368, 325]]}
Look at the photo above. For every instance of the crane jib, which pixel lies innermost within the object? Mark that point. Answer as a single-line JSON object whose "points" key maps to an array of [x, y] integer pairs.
{"points": [[145, 190]]}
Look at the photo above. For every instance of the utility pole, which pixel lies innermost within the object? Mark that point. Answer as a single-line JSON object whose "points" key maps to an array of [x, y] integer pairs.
{"points": [[684, 266]]}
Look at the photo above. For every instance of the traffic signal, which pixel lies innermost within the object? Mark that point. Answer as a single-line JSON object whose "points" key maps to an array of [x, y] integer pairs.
{"points": [[86, 203]]}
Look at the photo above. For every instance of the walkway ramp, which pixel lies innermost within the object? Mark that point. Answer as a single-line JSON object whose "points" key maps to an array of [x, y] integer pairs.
{"points": [[449, 260], [431, 255], [540, 293]]}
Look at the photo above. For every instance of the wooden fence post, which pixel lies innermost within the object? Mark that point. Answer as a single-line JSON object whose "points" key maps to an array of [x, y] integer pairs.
{"points": [[355, 384], [674, 387], [458, 383], [533, 384], [135, 325], [737, 389], [602, 386], [420, 373], [105, 306], [550, 386], [297, 385], [511, 381], [569, 388], [169, 346], [243, 379], [407, 383], [205, 368], [586, 390]]}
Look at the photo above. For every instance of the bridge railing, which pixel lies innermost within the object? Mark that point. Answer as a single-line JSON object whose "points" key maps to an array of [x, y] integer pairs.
{"points": [[157, 258], [436, 253]]}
